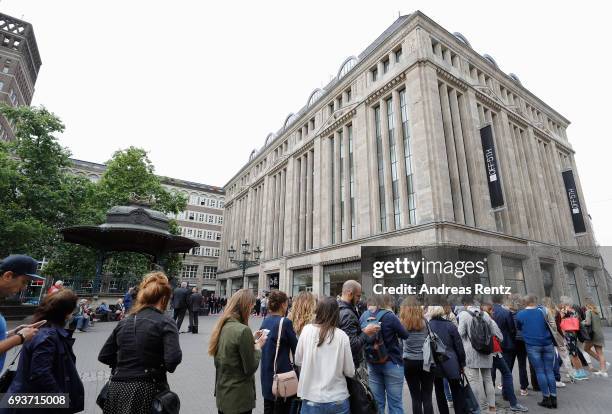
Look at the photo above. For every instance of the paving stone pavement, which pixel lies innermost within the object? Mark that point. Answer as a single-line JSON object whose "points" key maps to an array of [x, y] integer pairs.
{"points": [[194, 378]]}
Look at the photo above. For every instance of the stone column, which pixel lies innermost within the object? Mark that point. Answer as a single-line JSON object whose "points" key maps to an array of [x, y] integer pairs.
{"points": [[581, 284], [533, 274], [281, 212], [309, 199], [495, 269], [317, 280], [275, 216], [367, 177], [288, 234], [347, 186], [228, 287], [336, 191], [326, 191], [317, 193], [303, 189], [464, 176], [451, 154], [295, 214], [271, 196], [400, 153]]}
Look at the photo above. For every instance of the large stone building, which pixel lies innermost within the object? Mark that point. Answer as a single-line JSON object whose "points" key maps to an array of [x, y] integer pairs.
{"points": [[202, 221], [418, 140], [19, 65]]}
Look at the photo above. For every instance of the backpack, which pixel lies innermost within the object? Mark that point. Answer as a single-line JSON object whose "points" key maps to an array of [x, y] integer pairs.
{"points": [[480, 334], [376, 352]]}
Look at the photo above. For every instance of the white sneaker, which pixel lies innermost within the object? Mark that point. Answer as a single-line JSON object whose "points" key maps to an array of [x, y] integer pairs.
{"points": [[500, 387], [560, 384], [596, 372], [603, 374]]}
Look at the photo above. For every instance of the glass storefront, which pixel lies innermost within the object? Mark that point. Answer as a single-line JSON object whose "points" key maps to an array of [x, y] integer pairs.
{"points": [[547, 278], [237, 284], [302, 281], [513, 275], [592, 288], [335, 275], [254, 284]]}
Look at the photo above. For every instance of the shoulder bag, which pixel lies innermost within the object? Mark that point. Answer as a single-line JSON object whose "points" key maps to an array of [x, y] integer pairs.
{"points": [[284, 384], [7, 377]]}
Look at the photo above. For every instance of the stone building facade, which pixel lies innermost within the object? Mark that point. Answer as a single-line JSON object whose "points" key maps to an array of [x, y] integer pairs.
{"points": [[19, 66], [202, 221], [390, 153]]}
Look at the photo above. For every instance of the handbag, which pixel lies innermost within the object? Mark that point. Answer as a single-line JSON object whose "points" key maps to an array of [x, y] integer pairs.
{"points": [[438, 352], [471, 403], [284, 384], [7, 377], [103, 395], [360, 396], [571, 324]]}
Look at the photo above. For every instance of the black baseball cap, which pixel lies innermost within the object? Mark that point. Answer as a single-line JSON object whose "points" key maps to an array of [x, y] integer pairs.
{"points": [[20, 265]]}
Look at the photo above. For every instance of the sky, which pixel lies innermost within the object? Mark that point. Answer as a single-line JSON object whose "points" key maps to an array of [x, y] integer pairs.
{"points": [[199, 84]]}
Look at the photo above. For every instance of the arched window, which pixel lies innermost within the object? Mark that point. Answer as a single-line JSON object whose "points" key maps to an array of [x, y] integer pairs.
{"points": [[270, 138], [490, 59], [346, 66], [288, 120], [462, 38], [314, 96]]}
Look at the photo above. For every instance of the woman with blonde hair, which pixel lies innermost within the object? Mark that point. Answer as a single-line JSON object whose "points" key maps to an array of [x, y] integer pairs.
{"points": [[237, 352], [302, 311], [593, 321], [420, 382], [142, 348]]}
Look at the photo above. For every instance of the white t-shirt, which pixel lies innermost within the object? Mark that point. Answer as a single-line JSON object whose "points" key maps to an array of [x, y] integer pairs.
{"points": [[323, 368]]}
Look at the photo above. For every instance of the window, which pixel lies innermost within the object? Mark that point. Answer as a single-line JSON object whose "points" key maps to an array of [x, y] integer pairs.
{"points": [[211, 218], [339, 102], [302, 281], [189, 271], [513, 275], [374, 74], [193, 200], [386, 65], [218, 236], [13, 97], [207, 251], [209, 235], [330, 108], [398, 54], [191, 215], [348, 95], [213, 202], [209, 272], [220, 204], [1, 85], [381, 171], [199, 234], [312, 124], [5, 69], [571, 283], [219, 219], [393, 159], [592, 288], [216, 252]]}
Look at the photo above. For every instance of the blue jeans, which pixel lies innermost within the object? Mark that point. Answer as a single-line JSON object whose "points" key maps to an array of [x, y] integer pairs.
{"points": [[557, 367], [447, 391], [387, 383], [336, 407], [542, 358], [81, 322], [499, 363]]}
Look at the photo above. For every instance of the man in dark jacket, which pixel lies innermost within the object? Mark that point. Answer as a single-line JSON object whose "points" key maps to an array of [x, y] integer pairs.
{"points": [[179, 303], [505, 321], [349, 320], [195, 303]]}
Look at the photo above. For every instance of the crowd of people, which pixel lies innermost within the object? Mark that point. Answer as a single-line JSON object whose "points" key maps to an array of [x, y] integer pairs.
{"points": [[315, 355], [451, 353]]}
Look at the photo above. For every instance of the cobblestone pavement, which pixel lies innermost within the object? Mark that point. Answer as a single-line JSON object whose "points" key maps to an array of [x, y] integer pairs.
{"points": [[194, 378]]}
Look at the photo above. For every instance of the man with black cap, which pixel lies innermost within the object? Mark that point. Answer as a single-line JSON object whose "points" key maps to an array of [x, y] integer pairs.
{"points": [[16, 271]]}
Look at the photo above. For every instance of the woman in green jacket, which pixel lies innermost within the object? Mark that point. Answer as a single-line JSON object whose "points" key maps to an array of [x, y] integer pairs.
{"points": [[593, 321], [237, 352]]}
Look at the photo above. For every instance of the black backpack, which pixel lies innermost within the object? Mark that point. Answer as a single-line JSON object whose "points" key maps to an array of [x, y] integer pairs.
{"points": [[480, 334]]}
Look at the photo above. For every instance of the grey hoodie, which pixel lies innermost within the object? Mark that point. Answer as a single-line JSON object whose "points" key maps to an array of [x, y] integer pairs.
{"points": [[473, 358]]}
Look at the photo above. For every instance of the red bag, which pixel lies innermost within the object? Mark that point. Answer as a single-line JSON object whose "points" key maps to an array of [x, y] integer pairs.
{"points": [[570, 324], [496, 346]]}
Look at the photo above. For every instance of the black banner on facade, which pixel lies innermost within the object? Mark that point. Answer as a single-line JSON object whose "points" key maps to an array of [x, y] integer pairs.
{"points": [[274, 281], [574, 201], [490, 159]]}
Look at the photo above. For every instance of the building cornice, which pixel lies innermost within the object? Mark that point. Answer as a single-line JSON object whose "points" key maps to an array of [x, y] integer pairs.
{"points": [[374, 96], [339, 121], [451, 79]]}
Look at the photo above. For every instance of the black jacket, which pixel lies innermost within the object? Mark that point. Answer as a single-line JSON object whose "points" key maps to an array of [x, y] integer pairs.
{"points": [[349, 323], [179, 298], [150, 343], [195, 302], [449, 334], [47, 365]]}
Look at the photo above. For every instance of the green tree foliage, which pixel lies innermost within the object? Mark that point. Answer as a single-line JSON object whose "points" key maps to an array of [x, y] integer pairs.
{"points": [[40, 196]]}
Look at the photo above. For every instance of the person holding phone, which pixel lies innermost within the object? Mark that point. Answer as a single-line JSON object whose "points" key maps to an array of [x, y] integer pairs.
{"points": [[47, 364], [16, 271], [237, 352]]}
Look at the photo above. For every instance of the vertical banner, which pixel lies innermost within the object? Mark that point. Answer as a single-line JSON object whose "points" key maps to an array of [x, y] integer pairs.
{"points": [[490, 159], [574, 201]]}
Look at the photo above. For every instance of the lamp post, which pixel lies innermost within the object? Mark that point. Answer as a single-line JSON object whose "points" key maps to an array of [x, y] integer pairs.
{"points": [[243, 260]]}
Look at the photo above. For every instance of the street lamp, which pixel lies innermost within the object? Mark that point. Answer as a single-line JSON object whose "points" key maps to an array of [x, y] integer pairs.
{"points": [[243, 261]]}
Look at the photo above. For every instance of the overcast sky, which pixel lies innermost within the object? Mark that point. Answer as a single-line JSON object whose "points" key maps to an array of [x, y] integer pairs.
{"points": [[199, 84]]}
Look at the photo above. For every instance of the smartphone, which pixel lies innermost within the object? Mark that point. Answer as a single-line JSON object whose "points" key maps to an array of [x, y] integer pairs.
{"points": [[265, 331]]}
